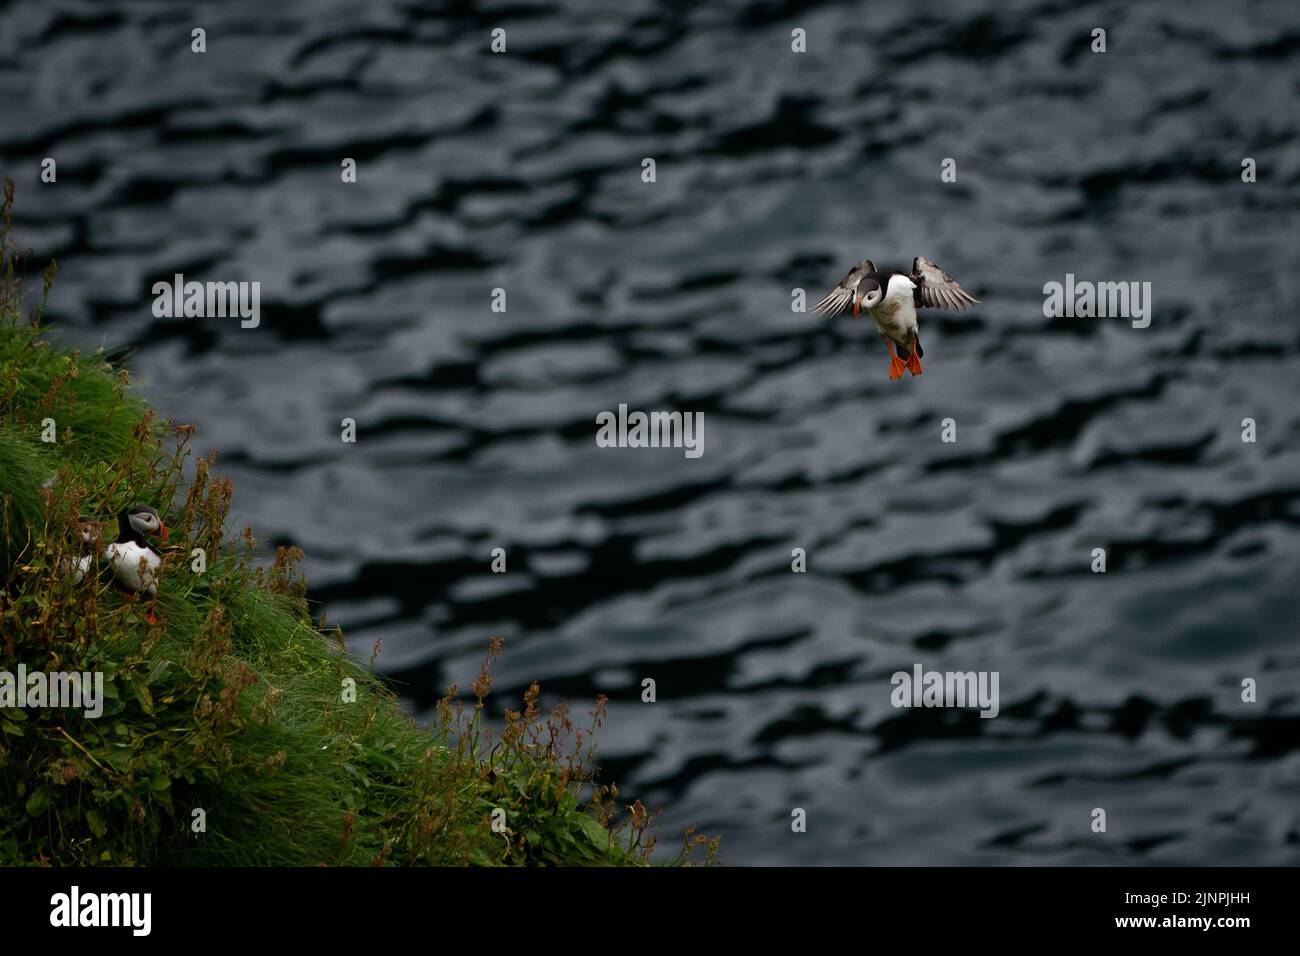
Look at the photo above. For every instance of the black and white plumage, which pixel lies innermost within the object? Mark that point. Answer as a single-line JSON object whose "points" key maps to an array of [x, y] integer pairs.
{"points": [[87, 534], [839, 298], [892, 298], [134, 562]]}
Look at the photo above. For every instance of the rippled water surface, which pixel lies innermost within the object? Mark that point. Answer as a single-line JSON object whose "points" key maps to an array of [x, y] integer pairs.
{"points": [[775, 170]]}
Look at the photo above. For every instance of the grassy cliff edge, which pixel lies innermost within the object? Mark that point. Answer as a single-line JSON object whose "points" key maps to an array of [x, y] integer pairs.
{"points": [[233, 731]]}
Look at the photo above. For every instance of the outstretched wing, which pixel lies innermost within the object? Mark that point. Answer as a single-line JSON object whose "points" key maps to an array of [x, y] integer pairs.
{"points": [[838, 299], [936, 289]]}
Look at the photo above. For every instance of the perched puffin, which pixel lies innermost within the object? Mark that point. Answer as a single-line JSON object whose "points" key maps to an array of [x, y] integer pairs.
{"points": [[135, 564], [87, 531], [893, 298]]}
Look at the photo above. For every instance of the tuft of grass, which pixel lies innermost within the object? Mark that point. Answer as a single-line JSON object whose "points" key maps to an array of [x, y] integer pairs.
{"points": [[234, 731]]}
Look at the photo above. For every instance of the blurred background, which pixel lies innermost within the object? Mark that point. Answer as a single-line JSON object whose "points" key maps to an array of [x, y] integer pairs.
{"points": [[775, 170]]}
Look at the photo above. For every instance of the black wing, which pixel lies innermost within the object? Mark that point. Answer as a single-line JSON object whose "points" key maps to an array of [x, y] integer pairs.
{"points": [[936, 289], [839, 298]]}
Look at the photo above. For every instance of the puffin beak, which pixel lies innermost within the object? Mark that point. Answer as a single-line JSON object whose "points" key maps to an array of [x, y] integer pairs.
{"points": [[856, 300], [162, 530]]}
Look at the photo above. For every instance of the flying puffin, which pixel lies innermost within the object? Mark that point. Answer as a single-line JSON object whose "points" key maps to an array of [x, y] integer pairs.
{"points": [[135, 564], [893, 298]]}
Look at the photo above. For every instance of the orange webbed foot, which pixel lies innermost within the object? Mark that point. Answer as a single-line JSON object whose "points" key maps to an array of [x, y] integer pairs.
{"points": [[914, 364], [896, 367]]}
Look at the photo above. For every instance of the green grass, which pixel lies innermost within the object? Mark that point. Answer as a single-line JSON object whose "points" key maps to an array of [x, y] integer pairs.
{"points": [[234, 703]]}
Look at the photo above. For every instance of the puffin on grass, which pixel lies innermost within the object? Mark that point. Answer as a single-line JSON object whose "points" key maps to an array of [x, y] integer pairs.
{"points": [[87, 532], [892, 298], [134, 562]]}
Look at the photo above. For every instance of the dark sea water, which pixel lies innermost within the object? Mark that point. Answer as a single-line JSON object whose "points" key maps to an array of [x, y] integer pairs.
{"points": [[775, 170]]}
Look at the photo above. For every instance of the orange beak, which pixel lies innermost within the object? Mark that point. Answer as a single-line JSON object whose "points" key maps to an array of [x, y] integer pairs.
{"points": [[162, 530], [856, 299]]}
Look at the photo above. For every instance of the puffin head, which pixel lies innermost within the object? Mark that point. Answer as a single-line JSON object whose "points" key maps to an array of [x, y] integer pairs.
{"points": [[87, 528], [140, 521], [867, 294]]}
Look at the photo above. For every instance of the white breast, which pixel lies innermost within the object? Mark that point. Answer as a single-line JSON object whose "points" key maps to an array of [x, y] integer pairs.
{"points": [[896, 314], [135, 567]]}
